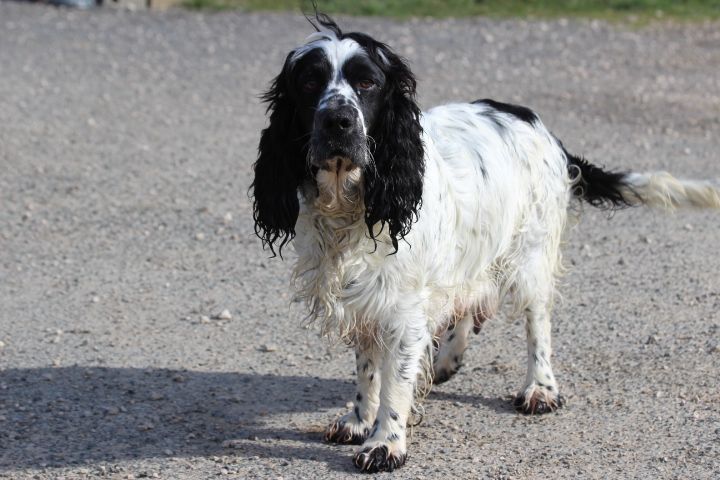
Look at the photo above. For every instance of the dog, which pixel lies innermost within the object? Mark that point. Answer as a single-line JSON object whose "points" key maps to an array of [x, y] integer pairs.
{"points": [[411, 228]]}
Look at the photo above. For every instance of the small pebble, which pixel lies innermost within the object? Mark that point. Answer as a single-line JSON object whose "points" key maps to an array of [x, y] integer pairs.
{"points": [[112, 410], [268, 348], [199, 236], [225, 315], [156, 396], [204, 319], [144, 427], [227, 219]]}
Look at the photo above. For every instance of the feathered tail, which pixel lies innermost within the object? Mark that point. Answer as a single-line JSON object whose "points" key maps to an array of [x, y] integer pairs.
{"points": [[614, 190]]}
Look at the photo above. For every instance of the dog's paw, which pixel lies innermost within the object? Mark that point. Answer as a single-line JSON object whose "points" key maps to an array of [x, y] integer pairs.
{"points": [[379, 458], [538, 399], [347, 430], [444, 368]]}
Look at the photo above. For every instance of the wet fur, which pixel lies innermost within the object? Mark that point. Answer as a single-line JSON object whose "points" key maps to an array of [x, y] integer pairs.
{"points": [[451, 210]]}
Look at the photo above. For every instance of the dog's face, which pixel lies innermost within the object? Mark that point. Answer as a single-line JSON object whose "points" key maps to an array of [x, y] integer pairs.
{"points": [[343, 117], [340, 90]]}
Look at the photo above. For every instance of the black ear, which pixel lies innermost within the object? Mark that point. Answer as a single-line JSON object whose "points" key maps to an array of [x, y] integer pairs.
{"points": [[280, 167], [393, 189]]}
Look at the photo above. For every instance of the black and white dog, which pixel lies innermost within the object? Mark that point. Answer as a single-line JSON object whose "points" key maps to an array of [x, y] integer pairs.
{"points": [[410, 228]]}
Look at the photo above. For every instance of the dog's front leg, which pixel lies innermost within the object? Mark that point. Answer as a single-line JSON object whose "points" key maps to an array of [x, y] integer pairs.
{"points": [[354, 427], [404, 348]]}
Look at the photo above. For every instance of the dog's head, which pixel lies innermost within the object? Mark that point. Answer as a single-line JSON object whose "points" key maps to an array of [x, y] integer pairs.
{"points": [[343, 116]]}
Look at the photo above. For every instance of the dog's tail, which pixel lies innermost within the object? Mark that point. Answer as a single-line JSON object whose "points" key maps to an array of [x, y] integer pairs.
{"points": [[613, 190]]}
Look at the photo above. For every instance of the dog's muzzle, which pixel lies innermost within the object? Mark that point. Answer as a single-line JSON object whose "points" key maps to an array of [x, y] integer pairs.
{"points": [[338, 133]]}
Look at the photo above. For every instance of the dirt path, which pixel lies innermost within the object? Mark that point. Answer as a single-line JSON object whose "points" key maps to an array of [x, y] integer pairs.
{"points": [[126, 141]]}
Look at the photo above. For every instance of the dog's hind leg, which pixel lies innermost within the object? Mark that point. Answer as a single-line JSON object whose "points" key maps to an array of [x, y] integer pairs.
{"points": [[451, 348], [540, 393], [535, 290], [354, 427]]}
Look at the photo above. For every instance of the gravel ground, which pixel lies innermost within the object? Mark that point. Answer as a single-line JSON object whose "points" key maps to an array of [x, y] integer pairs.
{"points": [[126, 141]]}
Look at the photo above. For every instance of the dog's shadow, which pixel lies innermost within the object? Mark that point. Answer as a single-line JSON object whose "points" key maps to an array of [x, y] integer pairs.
{"points": [[58, 417], [76, 415], [502, 405]]}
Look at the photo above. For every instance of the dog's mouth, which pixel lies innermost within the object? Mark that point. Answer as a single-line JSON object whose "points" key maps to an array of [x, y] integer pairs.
{"points": [[338, 182], [348, 152], [337, 164]]}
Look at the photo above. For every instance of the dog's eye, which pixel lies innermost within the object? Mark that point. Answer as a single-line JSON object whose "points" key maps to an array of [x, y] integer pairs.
{"points": [[365, 84], [311, 86]]}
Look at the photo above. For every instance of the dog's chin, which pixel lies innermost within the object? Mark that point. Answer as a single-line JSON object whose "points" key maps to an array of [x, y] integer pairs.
{"points": [[338, 163], [339, 184]]}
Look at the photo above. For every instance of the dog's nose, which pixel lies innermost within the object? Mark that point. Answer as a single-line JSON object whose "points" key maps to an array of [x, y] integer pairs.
{"points": [[338, 121]]}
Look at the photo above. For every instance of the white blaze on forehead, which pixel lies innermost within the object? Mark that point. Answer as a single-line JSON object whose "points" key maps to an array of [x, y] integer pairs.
{"points": [[337, 52]]}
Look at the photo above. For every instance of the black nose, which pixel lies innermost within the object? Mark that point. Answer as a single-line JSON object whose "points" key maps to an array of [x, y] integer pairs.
{"points": [[338, 121]]}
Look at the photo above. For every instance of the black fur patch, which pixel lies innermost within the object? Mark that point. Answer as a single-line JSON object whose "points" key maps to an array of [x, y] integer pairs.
{"points": [[444, 375], [378, 459], [598, 187], [342, 433], [536, 406], [522, 113]]}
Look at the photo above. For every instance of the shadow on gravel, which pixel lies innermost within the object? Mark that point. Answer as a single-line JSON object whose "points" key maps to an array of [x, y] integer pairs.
{"points": [[498, 404], [76, 415]]}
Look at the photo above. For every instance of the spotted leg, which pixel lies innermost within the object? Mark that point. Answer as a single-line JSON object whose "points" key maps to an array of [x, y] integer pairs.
{"points": [[535, 288], [452, 345], [540, 393], [354, 427], [386, 449]]}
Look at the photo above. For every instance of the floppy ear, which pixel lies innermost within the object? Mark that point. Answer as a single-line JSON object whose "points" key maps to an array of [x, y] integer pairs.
{"points": [[280, 167], [393, 189]]}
